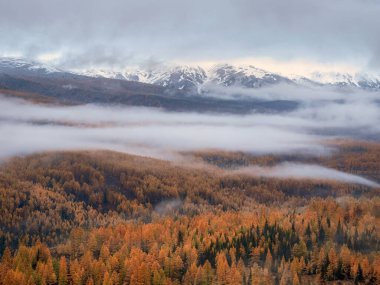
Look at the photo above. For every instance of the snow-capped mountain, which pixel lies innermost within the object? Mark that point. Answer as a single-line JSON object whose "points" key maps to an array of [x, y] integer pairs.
{"points": [[180, 77], [193, 78], [248, 76], [244, 76], [197, 79], [345, 79], [17, 65], [177, 77]]}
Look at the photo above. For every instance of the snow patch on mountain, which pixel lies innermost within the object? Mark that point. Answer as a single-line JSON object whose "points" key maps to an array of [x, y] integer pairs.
{"points": [[19, 63], [177, 77]]}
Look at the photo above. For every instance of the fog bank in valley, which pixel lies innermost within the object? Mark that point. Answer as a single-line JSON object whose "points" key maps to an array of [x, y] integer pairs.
{"points": [[305, 171], [323, 115]]}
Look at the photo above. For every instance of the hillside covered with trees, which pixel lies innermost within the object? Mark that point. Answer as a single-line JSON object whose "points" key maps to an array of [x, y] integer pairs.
{"points": [[101, 217]]}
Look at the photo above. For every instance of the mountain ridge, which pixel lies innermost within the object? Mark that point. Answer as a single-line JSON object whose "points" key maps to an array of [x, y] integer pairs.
{"points": [[42, 85], [195, 79], [227, 75]]}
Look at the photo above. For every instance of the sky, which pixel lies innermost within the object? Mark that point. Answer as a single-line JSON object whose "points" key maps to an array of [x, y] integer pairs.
{"points": [[336, 35]]}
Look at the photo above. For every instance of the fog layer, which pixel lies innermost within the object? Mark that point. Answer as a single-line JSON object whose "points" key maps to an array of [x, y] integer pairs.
{"points": [[323, 115], [306, 171]]}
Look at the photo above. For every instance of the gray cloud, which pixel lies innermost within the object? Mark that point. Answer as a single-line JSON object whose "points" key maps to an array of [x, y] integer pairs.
{"points": [[96, 56], [341, 30], [28, 128]]}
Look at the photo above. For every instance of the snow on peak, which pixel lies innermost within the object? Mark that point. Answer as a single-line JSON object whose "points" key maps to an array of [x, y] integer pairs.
{"points": [[361, 80], [20, 63], [243, 70], [180, 77], [332, 77], [247, 76]]}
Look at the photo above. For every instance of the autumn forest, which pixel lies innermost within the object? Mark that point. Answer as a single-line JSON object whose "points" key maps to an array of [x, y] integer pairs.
{"points": [[102, 217]]}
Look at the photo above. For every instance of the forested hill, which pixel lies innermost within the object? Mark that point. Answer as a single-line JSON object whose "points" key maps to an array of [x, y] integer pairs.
{"points": [[100, 216]]}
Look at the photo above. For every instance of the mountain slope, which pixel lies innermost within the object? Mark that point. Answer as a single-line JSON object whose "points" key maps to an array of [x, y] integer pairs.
{"points": [[24, 80]]}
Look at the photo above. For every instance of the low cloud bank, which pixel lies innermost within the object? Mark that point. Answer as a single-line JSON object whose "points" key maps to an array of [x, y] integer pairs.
{"points": [[26, 128], [306, 171]]}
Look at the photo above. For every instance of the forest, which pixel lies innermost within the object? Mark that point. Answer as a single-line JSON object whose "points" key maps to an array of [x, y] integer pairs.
{"points": [[103, 217]]}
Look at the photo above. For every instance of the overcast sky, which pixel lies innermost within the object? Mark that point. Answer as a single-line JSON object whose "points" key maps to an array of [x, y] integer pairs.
{"points": [[343, 33]]}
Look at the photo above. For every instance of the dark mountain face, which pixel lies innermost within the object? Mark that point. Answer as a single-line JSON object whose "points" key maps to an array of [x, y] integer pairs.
{"points": [[77, 89]]}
